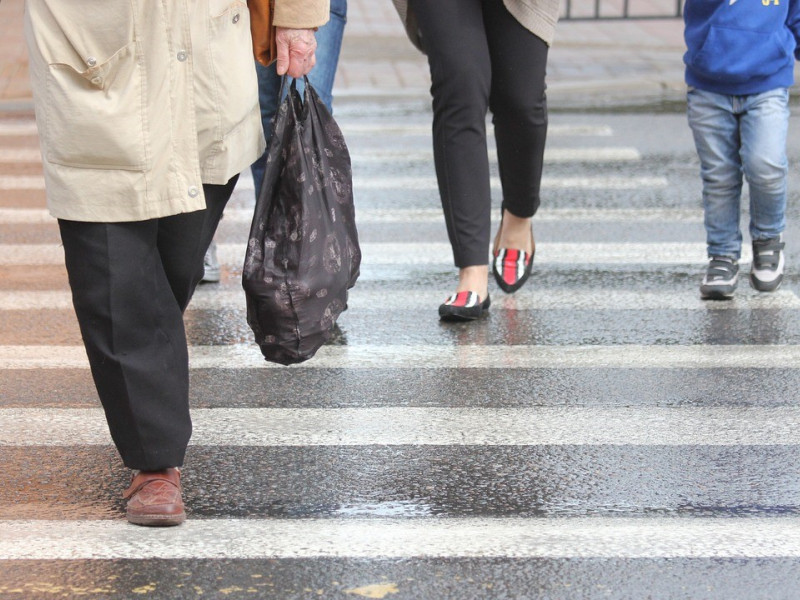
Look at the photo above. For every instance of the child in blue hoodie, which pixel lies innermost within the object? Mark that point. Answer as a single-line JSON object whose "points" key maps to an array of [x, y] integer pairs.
{"points": [[739, 65]]}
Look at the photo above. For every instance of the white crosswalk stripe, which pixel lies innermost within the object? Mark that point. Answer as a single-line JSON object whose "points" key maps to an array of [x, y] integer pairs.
{"points": [[20, 155], [556, 155], [436, 253], [552, 155], [577, 183], [370, 216], [17, 127], [392, 128], [35, 182], [21, 182], [246, 356], [391, 538], [539, 426], [361, 299]]}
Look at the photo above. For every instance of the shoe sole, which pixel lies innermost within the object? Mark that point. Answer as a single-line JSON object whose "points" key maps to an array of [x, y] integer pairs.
{"points": [[716, 294], [453, 317], [157, 520], [463, 313], [765, 286]]}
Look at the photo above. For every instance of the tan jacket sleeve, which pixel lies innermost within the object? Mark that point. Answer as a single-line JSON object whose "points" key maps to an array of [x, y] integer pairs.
{"points": [[301, 14]]}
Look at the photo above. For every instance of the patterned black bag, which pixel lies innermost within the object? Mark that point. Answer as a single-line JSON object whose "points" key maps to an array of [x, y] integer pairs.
{"points": [[303, 253]]}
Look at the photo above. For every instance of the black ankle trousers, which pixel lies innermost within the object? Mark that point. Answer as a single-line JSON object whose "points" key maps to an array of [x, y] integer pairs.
{"points": [[482, 59], [130, 284]]}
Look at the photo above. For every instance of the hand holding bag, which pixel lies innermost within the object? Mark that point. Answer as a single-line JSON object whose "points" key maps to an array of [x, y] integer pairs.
{"points": [[303, 252]]}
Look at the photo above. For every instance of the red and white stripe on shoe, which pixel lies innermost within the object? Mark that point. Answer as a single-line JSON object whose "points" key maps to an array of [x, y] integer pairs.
{"points": [[464, 299], [511, 263]]}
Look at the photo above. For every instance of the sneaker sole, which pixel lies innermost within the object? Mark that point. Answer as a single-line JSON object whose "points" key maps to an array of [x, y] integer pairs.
{"points": [[212, 277], [765, 286], [716, 294]]}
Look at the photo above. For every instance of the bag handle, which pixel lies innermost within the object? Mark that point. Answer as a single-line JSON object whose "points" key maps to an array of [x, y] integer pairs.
{"points": [[293, 88]]}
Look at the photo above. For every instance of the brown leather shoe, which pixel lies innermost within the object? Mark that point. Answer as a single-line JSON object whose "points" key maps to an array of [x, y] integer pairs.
{"points": [[154, 499]]}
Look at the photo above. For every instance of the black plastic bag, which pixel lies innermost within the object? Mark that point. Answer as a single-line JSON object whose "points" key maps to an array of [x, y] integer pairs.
{"points": [[303, 253]]}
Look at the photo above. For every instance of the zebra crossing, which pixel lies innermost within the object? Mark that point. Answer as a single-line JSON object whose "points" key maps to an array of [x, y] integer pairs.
{"points": [[603, 433]]}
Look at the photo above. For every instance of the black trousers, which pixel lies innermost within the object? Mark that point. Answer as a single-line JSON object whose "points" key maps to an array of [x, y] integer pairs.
{"points": [[482, 59], [130, 284]]}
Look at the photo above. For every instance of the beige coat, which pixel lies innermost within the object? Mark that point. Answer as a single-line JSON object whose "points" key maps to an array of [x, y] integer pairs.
{"points": [[139, 103], [537, 16]]}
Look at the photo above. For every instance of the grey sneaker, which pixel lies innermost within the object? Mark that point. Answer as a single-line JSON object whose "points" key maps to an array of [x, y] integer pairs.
{"points": [[211, 265], [766, 274], [722, 275]]}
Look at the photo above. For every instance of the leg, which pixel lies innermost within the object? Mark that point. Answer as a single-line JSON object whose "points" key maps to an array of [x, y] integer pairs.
{"points": [[329, 44], [130, 284], [177, 252], [519, 110], [458, 55], [132, 328], [715, 127], [211, 268], [764, 128]]}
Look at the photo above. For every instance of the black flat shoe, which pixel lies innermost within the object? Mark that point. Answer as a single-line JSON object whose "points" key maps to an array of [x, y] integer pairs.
{"points": [[463, 306], [511, 268]]}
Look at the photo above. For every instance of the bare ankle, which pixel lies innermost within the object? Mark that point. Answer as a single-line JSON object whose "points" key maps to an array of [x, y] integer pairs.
{"points": [[474, 279], [515, 232]]}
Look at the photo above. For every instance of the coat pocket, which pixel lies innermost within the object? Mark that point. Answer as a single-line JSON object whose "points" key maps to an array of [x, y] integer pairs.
{"points": [[95, 118], [737, 55], [234, 73]]}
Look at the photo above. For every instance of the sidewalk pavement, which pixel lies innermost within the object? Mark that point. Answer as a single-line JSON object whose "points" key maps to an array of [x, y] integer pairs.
{"points": [[592, 64]]}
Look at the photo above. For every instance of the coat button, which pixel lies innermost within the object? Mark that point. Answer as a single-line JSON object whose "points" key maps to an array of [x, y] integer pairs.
{"points": [[182, 55], [97, 81], [236, 18], [193, 192], [91, 61]]}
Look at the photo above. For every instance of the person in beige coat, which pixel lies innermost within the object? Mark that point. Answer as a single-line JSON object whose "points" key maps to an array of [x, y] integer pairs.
{"points": [[486, 55], [147, 112]]}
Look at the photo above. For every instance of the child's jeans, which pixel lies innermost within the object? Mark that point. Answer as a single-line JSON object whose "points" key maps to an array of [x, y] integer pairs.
{"points": [[735, 135]]}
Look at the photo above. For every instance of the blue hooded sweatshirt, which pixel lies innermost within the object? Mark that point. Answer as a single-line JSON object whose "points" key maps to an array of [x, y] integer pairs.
{"points": [[741, 47]]}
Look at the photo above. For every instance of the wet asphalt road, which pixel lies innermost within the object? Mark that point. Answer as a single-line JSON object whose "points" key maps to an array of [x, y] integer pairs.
{"points": [[656, 457]]}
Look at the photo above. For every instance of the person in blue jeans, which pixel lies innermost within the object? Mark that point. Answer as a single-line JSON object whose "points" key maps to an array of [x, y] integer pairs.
{"points": [[739, 65], [329, 44]]}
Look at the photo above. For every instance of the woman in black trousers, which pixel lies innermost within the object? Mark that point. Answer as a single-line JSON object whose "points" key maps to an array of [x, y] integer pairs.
{"points": [[484, 57]]}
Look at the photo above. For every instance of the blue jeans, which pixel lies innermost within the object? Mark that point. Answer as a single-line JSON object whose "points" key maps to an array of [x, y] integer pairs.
{"points": [[329, 43], [735, 136]]}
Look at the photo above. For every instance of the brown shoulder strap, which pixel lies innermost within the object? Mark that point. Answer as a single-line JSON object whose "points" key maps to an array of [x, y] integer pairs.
{"points": [[264, 47]]}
